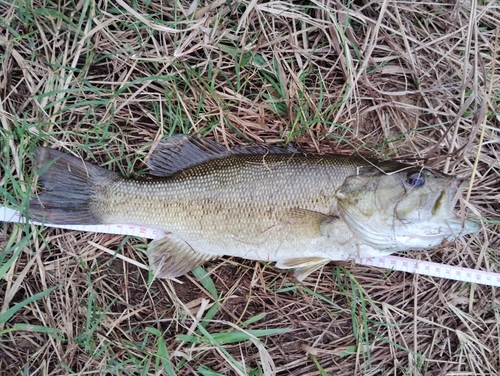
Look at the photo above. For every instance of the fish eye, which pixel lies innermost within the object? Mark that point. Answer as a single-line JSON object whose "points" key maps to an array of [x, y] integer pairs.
{"points": [[414, 180]]}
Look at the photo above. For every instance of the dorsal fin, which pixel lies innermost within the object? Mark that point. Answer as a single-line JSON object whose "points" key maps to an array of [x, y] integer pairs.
{"points": [[180, 152]]}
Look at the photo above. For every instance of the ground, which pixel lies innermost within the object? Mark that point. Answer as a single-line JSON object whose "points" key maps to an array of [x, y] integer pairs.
{"points": [[413, 81]]}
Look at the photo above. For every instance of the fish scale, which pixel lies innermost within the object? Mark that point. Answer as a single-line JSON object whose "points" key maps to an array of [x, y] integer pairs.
{"points": [[297, 209], [203, 204]]}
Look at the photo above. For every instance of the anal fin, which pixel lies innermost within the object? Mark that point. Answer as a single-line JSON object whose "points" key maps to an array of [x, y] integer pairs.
{"points": [[303, 266], [171, 257]]}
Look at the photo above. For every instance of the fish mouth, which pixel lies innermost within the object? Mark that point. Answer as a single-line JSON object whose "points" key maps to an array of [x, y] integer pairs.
{"points": [[448, 197], [456, 187], [444, 208]]}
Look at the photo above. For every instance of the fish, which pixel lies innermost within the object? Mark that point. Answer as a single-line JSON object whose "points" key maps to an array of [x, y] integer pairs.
{"points": [[264, 203]]}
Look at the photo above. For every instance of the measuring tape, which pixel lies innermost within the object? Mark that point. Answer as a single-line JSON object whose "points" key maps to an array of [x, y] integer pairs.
{"points": [[403, 264]]}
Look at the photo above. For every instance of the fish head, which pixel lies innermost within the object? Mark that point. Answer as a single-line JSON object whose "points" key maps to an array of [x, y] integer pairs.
{"points": [[409, 209]]}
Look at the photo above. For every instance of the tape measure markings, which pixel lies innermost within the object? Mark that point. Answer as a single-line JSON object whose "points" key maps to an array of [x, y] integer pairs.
{"points": [[388, 262]]}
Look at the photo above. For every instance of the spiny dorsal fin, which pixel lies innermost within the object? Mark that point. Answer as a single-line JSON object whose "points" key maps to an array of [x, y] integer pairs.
{"points": [[171, 257], [180, 152]]}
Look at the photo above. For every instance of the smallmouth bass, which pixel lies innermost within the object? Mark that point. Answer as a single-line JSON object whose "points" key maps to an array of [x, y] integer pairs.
{"points": [[298, 210]]}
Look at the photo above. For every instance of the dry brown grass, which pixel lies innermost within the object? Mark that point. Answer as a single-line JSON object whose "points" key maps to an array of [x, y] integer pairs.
{"points": [[415, 81]]}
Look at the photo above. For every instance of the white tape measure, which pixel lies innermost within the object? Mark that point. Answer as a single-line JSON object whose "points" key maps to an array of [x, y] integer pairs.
{"points": [[433, 269], [389, 262]]}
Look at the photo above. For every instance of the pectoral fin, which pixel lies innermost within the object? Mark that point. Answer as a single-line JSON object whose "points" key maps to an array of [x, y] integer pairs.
{"points": [[171, 257], [319, 224], [308, 221], [303, 266]]}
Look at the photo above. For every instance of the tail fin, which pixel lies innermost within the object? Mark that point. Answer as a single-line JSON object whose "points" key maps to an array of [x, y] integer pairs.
{"points": [[71, 188]]}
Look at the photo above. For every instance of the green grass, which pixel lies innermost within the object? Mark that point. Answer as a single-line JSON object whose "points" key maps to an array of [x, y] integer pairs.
{"points": [[102, 81]]}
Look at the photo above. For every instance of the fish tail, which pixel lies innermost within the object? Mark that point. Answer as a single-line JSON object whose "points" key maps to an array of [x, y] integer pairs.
{"points": [[71, 189]]}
